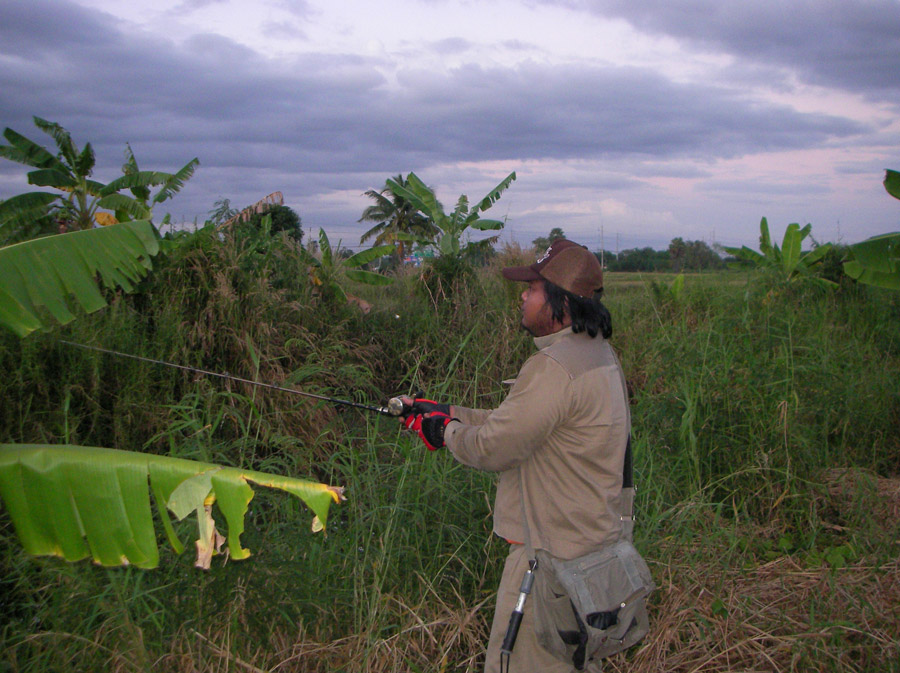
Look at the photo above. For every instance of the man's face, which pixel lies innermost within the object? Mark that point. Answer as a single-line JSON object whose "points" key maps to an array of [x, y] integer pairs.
{"points": [[537, 318]]}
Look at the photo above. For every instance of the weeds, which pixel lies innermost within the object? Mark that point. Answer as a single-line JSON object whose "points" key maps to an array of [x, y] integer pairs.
{"points": [[766, 450]]}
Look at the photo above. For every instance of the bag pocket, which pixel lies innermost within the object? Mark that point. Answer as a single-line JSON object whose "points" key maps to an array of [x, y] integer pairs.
{"points": [[608, 590], [555, 625]]}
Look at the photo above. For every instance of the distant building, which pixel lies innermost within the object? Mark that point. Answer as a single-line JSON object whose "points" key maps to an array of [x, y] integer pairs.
{"points": [[416, 258]]}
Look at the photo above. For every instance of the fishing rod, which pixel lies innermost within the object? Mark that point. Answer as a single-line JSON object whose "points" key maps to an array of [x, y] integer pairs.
{"points": [[395, 406]]}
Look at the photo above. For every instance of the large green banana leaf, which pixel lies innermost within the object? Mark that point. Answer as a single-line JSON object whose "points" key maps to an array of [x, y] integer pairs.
{"points": [[494, 195], [56, 272], [76, 501], [892, 183], [876, 261]]}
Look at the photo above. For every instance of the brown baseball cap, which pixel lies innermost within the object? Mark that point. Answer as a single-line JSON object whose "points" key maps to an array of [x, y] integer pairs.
{"points": [[567, 264]]}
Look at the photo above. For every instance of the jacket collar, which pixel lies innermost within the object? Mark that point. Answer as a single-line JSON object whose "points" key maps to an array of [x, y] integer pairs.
{"points": [[549, 339]]}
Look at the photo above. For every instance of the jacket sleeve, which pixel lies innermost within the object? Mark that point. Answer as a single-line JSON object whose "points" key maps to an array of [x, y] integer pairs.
{"points": [[520, 425], [471, 416]]}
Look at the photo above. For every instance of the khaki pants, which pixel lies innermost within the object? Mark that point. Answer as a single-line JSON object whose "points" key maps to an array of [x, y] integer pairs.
{"points": [[527, 655]]}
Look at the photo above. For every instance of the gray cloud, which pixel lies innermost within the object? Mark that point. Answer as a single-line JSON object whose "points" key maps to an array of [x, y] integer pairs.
{"points": [[317, 125], [191, 5], [566, 112], [282, 29], [452, 45], [211, 90], [850, 44], [760, 188]]}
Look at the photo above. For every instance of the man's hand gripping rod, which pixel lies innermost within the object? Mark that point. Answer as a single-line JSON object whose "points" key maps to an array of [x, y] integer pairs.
{"points": [[395, 406]]}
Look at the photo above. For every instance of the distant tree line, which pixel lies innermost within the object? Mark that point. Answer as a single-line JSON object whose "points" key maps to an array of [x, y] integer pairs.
{"points": [[637, 259], [680, 256]]}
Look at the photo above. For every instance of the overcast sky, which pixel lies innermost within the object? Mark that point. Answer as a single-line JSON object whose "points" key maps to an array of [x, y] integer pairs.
{"points": [[644, 120]]}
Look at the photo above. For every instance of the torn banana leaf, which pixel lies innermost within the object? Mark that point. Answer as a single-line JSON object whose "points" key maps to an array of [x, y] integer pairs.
{"points": [[77, 501], [57, 273]]}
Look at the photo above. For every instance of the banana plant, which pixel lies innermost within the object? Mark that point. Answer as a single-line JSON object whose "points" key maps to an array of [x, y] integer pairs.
{"points": [[80, 198], [788, 261], [451, 226], [325, 272], [669, 293], [76, 501], [170, 183], [876, 261], [56, 272]]}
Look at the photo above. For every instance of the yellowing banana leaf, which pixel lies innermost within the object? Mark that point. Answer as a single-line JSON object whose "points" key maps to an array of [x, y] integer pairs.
{"points": [[76, 501], [57, 273], [105, 219]]}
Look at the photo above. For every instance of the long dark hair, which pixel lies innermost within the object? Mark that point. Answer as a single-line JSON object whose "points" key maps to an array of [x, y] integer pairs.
{"points": [[588, 315]]}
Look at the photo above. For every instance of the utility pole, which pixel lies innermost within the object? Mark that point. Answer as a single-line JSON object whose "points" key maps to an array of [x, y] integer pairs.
{"points": [[617, 246], [602, 251]]}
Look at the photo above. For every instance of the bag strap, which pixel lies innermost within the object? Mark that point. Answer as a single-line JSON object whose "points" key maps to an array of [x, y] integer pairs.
{"points": [[528, 548], [628, 487], [627, 514]]}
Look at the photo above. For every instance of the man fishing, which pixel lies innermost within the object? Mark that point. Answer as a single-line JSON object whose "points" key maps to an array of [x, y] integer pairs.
{"points": [[558, 441]]}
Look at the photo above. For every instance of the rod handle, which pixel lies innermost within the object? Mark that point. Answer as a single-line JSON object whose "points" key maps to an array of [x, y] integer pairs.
{"points": [[512, 632]]}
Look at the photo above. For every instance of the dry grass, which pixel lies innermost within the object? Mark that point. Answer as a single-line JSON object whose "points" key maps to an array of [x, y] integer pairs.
{"points": [[714, 615], [848, 488], [776, 617], [426, 638], [706, 616], [440, 635]]}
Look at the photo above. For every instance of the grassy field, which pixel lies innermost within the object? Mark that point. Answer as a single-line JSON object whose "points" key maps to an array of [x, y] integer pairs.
{"points": [[767, 455]]}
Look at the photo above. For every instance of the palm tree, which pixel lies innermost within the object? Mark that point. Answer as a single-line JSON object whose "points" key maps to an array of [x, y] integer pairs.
{"points": [[395, 218], [222, 212]]}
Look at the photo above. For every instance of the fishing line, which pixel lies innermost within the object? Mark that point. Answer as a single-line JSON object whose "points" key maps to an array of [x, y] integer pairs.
{"points": [[395, 406]]}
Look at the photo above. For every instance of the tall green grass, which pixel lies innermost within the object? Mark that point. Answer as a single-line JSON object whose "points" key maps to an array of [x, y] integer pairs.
{"points": [[744, 395]]}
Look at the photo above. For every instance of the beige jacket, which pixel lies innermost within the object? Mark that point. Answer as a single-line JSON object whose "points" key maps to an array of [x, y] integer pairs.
{"points": [[565, 422]]}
